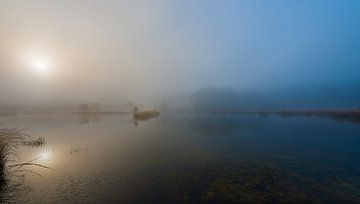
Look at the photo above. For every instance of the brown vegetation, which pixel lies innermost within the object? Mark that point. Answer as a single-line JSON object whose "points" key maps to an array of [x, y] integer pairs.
{"points": [[11, 173], [145, 115]]}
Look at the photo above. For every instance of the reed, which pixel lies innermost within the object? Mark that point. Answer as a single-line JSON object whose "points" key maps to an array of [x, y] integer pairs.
{"points": [[38, 142], [12, 173], [145, 115]]}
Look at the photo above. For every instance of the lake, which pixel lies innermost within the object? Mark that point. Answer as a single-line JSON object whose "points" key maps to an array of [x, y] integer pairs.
{"points": [[185, 158]]}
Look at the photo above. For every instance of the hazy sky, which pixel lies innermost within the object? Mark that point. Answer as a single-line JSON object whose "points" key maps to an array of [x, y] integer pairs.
{"points": [[126, 49]]}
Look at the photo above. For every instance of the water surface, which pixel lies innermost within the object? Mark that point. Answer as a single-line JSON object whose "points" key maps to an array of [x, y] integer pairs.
{"points": [[191, 158]]}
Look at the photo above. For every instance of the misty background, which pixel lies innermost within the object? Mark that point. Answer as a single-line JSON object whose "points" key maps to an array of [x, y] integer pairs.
{"points": [[203, 54]]}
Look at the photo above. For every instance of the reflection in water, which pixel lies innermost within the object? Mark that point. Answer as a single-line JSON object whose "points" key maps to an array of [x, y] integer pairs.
{"points": [[208, 124], [260, 160], [45, 156], [144, 116], [12, 174], [78, 149], [88, 118]]}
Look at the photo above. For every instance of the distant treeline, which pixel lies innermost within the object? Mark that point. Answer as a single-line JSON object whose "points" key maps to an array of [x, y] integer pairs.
{"points": [[224, 98], [340, 115]]}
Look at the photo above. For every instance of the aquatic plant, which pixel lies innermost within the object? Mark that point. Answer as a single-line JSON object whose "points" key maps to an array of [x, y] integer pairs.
{"points": [[145, 115], [38, 142], [78, 149], [12, 173]]}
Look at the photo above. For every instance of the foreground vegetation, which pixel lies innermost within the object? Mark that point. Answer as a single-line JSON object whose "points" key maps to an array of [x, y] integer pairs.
{"points": [[11, 172]]}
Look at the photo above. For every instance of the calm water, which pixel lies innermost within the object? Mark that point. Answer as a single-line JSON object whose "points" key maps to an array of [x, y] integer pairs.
{"points": [[188, 158]]}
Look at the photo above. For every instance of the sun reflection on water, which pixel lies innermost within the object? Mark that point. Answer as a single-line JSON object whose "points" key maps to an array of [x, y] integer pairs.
{"points": [[45, 156]]}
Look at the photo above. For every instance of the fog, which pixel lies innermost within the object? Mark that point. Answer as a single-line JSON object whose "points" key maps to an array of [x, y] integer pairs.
{"points": [[154, 51]]}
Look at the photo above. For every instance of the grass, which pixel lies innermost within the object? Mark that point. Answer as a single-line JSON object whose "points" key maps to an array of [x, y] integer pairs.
{"points": [[11, 173], [78, 149], [38, 142]]}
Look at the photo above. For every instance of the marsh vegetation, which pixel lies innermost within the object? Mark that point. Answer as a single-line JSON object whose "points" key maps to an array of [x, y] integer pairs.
{"points": [[12, 173], [187, 158]]}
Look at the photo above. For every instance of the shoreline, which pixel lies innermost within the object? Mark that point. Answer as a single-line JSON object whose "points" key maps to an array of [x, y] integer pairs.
{"points": [[350, 115]]}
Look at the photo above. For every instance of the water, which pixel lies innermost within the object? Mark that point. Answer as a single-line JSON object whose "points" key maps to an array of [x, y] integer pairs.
{"points": [[190, 158]]}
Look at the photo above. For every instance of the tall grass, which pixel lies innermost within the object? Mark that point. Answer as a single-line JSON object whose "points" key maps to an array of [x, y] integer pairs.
{"points": [[11, 172], [38, 142]]}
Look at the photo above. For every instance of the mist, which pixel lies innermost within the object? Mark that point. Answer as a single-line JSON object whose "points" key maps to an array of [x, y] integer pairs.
{"points": [[155, 51], [179, 101]]}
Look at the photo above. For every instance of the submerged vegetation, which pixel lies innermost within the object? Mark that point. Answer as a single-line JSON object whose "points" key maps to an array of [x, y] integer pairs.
{"points": [[245, 178]]}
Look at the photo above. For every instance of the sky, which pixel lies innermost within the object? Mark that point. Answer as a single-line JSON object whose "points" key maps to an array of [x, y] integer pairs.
{"points": [[113, 50]]}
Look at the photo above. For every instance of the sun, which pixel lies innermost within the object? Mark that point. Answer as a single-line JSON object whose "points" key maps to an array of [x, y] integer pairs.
{"points": [[41, 66]]}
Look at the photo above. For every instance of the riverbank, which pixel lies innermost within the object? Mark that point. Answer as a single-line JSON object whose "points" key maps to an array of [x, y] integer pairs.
{"points": [[350, 115]]}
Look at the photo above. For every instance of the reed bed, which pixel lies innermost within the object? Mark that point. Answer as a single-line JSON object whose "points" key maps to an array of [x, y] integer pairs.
{"points": [[12, 173], [38, 142]]}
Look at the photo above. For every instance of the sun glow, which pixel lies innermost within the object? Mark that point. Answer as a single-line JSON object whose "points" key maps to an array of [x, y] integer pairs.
{"points": [[41, 66], [45, 156]]}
